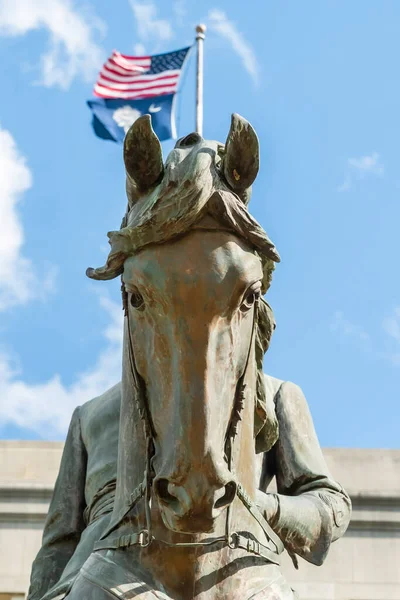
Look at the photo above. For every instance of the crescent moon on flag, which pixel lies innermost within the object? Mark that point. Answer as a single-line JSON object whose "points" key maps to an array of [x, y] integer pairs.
{"points": [[153, 108]]}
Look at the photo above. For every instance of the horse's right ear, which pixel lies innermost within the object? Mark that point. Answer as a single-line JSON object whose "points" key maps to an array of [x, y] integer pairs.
{"points": [[241, 156], [143, 155]]}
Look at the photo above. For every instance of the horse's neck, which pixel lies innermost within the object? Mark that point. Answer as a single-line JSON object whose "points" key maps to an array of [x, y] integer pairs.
{"points": [[132, 452]]}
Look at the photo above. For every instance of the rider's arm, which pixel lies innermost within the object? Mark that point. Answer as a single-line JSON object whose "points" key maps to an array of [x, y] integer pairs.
{"points": [[64, 523], [310, 510]]}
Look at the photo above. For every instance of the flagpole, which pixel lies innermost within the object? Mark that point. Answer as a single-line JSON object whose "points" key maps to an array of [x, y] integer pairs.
{"points": [[200, 35]]}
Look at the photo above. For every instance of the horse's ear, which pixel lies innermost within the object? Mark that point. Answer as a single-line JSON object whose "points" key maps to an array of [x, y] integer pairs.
{"points": [[241, 156], [143, 155]]}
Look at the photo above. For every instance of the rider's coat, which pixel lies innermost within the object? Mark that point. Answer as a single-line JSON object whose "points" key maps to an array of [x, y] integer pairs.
{"points": [[84, 491], [83, 495]]}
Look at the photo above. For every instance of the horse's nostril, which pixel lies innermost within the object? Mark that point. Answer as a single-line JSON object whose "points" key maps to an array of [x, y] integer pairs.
{"points": [[228, 497], [161, 488]]}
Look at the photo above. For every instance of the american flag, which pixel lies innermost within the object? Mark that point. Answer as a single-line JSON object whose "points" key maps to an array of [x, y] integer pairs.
{"points": [[131, 77]]}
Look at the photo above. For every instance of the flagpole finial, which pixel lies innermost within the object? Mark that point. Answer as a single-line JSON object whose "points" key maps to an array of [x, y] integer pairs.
{"points": [[201, 30]]}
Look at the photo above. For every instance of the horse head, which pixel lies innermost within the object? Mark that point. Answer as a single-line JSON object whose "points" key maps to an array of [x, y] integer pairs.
{"points": [[194, 264]]}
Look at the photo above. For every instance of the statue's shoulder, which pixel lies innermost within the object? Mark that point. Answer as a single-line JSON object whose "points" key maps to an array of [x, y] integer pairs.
{"points": [[272, 385], [291, 404], [284, 390], [103, 407]]}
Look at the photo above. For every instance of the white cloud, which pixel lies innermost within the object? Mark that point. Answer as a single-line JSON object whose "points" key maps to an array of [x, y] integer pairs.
{"points": [[220, 23], [46, 407], [367, 164], [149, 27], [391, 325], [361, 167], [72, 49], [343, 327], [18, 281]]}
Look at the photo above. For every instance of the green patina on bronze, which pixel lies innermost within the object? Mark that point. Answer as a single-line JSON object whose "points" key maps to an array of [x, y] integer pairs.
{"points": [[195, 411]]}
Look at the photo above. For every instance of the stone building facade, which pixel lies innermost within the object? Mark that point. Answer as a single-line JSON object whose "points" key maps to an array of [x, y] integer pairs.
{"points": [[364, 565]]}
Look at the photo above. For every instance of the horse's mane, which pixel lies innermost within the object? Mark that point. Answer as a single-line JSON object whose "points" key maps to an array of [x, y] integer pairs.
{"points": [[266, 428]]}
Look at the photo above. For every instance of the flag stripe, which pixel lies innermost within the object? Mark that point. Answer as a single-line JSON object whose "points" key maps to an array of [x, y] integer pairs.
{"points": [[128, 70], [131, 77], [103, 92], [111, 76], [128, 57], [131, 61], [137, 87]]}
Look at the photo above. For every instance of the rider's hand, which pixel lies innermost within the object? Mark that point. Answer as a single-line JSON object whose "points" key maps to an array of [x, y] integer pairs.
{"points": [[268, 504]]}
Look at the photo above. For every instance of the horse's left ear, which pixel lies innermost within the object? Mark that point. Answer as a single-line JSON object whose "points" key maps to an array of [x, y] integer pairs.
{"points": [[241, 156], [143, 155]]}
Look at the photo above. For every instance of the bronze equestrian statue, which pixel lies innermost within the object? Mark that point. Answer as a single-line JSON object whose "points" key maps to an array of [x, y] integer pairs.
{"points": [[201, 431]]}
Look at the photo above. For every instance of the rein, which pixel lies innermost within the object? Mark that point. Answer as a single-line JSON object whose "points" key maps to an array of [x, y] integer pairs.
{"points": [[233, 540]]}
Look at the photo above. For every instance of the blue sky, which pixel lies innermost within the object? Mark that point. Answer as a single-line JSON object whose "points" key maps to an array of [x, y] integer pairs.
{"points": [[319, 82]]}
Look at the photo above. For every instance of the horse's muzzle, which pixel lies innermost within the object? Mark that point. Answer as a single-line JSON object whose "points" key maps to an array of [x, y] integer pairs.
{"points": [[194, 506]]}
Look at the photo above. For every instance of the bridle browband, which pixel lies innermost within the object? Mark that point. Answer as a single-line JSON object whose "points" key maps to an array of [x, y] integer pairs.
{"points": [[233, 540]]}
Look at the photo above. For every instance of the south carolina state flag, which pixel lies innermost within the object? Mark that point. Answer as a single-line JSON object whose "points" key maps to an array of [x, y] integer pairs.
{"points": [[113, 117]]}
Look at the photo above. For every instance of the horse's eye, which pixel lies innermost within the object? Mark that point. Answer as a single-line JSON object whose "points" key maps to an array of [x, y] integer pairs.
{"points": [[251, 297], [137, 300]]}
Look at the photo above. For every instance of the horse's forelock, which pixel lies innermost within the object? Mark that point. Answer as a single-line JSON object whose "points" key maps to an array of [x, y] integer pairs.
{"points": [[157, 222]]}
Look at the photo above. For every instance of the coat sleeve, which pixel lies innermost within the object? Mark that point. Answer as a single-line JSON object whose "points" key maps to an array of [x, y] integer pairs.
{"points": [[312, 509], [64, 523]]}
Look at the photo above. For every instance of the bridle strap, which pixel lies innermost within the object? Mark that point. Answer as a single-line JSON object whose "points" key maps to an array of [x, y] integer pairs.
{"points": [[259, 517], [241, 387], [237, 541], [141, 398], [139, 492]]}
